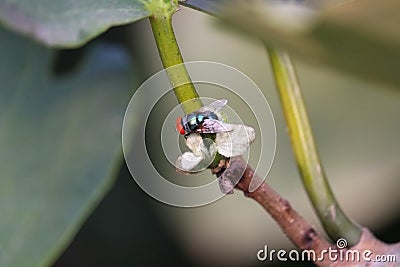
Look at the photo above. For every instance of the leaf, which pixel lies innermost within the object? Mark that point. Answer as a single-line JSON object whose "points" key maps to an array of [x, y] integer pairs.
{"points": [[359, 37], [68, 23], [60, 145], [207, 6], [215, 7]]}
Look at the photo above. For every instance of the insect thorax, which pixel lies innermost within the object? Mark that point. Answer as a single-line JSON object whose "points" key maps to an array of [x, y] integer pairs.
{"points": [[194, 120]]}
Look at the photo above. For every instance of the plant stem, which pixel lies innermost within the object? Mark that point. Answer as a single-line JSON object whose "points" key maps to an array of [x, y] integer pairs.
{"points": [[296, 228], [173, 63], [333, 219], [161, 24]]}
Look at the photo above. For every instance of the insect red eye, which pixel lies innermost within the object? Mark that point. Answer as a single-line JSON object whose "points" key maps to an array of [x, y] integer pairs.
{"points": [[179, 126]]}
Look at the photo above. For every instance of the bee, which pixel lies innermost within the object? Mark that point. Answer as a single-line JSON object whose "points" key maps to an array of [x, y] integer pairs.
{"points": [[204, 120]]}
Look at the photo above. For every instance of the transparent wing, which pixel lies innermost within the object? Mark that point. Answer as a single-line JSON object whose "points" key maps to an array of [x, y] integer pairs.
{"points": [[214, 126], [235, 142], [187, 162], [214, 106]]}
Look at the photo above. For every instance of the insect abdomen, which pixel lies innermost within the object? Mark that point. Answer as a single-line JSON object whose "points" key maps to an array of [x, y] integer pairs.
{"points": [[195, 120]]}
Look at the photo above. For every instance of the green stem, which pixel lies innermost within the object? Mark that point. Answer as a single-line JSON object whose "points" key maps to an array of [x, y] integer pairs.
{"points": [[173, 62], [333, 219], [161, 24]]}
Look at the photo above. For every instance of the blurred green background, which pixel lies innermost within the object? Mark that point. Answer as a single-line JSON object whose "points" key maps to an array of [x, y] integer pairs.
{"points": [[355, 123], [356, 126]]}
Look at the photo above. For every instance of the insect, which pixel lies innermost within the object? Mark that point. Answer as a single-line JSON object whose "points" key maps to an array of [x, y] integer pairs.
{"points": [[231, 139], [204, 120]]}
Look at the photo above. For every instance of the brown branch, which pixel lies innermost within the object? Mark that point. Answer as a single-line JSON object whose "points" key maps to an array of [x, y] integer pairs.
{"points": [[296, 228]]}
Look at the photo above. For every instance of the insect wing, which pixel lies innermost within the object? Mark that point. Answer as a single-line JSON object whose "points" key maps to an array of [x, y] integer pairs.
{"points": [[214, 106], [187, 162], [235, 142], [214, 126]]}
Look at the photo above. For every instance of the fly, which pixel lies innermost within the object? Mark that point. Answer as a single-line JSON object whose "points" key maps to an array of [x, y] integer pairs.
{"points": [[204, 120], [231, 139]]}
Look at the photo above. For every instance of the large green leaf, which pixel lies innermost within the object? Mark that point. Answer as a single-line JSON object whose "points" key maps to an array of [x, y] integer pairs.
{"points": [[208, 6], [359, 37], [60, 145], [68, 23]]}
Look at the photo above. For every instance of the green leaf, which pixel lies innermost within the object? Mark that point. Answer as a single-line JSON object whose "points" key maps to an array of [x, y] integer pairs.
{"points": [[215, 7], [60, 145], [360, 37], [206, 6], [68, 23]]}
